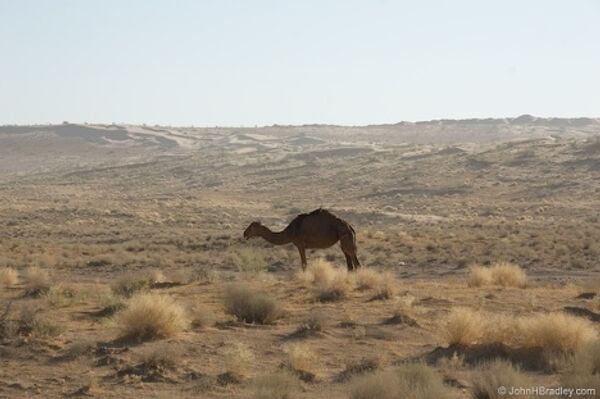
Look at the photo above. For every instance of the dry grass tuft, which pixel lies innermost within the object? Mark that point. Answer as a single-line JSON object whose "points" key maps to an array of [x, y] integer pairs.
{"points": [[582, 370], [301, 359], [497, 374], [503, 274], [131, 284], [464, 327], [150, 316], [556, 331], [249, 260], [335, 290], [552, 331], [279, 385], [239, 359], [387, 288], [367, 278], [479, 276], [8, 277], [251, 306], [37, 280], [413, 380]]}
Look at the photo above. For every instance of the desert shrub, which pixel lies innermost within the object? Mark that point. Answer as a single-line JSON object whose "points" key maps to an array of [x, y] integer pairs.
{"points": [[479, 276], [8, 277], [301, 359], [133, 283], [37, 280], [238, 359], [491, 376], [251, 306], [508, 275], [503, 274], [582, 369], [203, 275], [202, 317], [364, 365], [320, 273], [63, 296], [556, 331], [387, 288], [30, 322], [315, 321], [412, 380], [464, 326], [367, 278], [552, 331], [151, 316], [279, 385], [335, 290], [161, 356], [249, 260]]}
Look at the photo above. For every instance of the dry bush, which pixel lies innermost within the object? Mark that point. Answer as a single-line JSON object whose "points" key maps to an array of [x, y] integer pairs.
{"points": [[493, 375], [321, 272], [411, 380], [63, 296], [8, 277], [251, 306], [239, 359], [503, 274], [37, 280], [464, 327], [203, 317], [556, 331], [30, 322], [367, 278], [364, 365], [249, 260], [387, 288], [131, 284], [582, 369], [315, 322], [162, 357], [279, 385], [479, 276], [152, 316], [300, 358], [508, 275], [552, 331], [335, 290]]}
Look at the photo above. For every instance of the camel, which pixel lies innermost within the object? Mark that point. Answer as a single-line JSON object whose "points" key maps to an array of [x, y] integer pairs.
{"points": [[319, 229]]}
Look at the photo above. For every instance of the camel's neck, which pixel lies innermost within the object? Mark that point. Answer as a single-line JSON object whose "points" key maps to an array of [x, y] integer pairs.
{"points": [[276, 238]]}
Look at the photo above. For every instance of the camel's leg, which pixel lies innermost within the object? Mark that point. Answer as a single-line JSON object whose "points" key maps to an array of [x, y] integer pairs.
{"points": [[349, 261], [356, 262], [302, 252], [349, 248]]}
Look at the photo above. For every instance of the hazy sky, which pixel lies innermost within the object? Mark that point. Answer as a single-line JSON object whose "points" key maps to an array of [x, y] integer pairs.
{"points": [[292, 62]]}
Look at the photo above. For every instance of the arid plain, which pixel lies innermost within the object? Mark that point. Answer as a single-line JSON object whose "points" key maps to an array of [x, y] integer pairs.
{"points": [[123, 271]]}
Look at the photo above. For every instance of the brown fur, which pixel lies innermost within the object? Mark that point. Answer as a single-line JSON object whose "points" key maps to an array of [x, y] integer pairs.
{"points": [[316, 230]]}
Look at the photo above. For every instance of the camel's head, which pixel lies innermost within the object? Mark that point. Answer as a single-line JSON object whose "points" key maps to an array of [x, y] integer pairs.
{"points": [[252, 230]]}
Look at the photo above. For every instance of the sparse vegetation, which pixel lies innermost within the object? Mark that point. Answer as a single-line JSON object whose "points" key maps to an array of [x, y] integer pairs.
{"points": [[503, 274], [552, 331], [238, 360], [249, 261], [251, 306], [413, 380], [493, 375], [368, 278], [37, 280], [278, 385], [148, 316], [8, 277]]}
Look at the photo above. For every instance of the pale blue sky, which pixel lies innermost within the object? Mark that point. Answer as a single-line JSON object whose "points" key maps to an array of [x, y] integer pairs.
{"points": [[292, 62]]}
